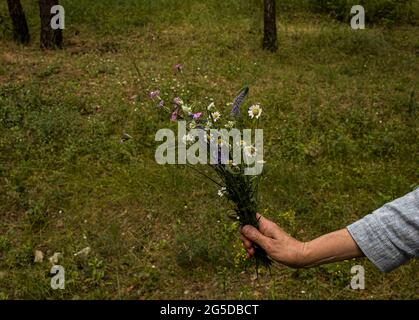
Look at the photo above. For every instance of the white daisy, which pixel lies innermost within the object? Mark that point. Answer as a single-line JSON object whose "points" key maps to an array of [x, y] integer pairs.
{"points": [[222, 192], [255, 111], [249, 151], [216, 116]]}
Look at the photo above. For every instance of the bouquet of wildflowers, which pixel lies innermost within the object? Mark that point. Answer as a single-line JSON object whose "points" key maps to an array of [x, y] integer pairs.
{"points": [[224, 142]]}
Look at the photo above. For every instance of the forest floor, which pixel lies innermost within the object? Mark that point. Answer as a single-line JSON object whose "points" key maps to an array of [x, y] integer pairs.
{"points": [[341, 129]]}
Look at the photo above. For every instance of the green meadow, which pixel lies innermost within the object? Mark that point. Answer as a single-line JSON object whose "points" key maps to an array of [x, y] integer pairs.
{"points": [[341, 138]]}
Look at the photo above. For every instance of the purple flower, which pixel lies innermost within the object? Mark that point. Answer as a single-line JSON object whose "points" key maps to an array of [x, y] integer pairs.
{"points": [[173, 117], [177, 101], [197, 115], [235, 111], [161, 104], [177, 67], [154, 94]]}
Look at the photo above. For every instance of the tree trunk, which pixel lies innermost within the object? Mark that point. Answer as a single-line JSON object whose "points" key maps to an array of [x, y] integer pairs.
{"points": [[50, 38], [20, 26], [270, 38]]}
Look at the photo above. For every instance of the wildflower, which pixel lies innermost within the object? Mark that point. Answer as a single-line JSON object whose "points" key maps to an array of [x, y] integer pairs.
{"points": [[216, 116], [154, 94], [255, 111], [230, 124], [249, 151], [178, 101], [235, 111], [237, 188], [177, 67], [161, 104]]}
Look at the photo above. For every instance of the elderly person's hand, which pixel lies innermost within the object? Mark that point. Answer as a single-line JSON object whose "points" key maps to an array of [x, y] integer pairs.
{"points": [[283, 248]]}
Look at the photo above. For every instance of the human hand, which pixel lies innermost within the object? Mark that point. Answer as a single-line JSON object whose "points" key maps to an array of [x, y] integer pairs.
{"points": [[280, 246]]}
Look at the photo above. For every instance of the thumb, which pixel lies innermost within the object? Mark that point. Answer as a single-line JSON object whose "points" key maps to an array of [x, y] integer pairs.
{"points": [[256, 236]]}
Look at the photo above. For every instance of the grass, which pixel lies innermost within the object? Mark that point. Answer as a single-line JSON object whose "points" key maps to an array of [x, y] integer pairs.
{"points": [[341, 139]]}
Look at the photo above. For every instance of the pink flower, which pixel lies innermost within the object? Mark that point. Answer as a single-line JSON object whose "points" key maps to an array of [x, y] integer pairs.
{"points": [[197, 115], [177, 68], [173, 117], [177, 101], [154, 94]]}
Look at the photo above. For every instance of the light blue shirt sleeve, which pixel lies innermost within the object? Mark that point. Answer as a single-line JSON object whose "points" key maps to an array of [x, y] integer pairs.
{"points": [[389, 236]]}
